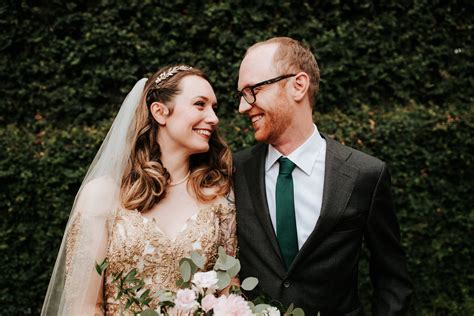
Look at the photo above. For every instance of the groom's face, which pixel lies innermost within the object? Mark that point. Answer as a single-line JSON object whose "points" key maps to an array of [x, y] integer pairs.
{"points": [[270, 114]]}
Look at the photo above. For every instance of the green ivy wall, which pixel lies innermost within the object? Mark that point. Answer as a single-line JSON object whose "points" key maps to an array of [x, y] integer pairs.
{"points": [[396, 83]]}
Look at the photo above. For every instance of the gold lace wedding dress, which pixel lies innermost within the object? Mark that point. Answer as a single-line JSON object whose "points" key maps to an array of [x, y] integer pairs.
{"points": [[137, 242]]}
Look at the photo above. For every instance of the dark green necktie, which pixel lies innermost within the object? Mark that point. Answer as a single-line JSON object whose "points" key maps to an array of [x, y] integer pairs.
{"points": [[285, 211]]}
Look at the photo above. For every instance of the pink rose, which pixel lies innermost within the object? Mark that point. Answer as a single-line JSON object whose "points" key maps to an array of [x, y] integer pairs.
{"points": [[208, 302], [232, 305], [185, 300]]}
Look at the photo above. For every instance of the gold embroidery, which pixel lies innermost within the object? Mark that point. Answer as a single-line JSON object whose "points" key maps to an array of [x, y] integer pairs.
{"points": [[137, 242], [71, 242]]}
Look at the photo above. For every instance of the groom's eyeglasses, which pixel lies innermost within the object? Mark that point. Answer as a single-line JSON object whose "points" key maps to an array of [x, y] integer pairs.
{"points": [[248, 93]]}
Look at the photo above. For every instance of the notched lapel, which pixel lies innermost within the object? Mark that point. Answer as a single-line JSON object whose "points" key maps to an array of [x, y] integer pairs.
{"points": [[255, 175], [339, 180]]}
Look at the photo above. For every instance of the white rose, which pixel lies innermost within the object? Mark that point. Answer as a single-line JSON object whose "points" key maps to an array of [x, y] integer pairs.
{"points": [[205, 280], [185, 300], [271, 311]]}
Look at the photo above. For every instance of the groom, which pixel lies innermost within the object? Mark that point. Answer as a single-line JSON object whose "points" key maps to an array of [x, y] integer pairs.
{"points": [[305, 202]]}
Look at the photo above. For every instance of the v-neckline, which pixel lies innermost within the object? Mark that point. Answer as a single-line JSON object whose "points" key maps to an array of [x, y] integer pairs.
{"points": [[184, 227]]}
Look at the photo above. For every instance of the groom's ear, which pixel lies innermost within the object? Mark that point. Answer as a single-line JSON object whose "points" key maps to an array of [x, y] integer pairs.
{"points": [[160, 112], [300, 86]]}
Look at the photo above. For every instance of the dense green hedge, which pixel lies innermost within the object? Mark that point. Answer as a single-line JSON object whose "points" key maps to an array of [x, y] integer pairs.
{"points": [[427, 150], [74, 61], [396, 82]]}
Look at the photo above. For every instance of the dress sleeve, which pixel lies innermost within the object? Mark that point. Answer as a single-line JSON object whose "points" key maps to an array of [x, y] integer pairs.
{"points": [[228, 225], [71, 238]]}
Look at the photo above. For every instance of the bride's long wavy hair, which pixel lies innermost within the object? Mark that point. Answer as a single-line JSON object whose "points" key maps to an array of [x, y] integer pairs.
{"points": [[145, 178]]}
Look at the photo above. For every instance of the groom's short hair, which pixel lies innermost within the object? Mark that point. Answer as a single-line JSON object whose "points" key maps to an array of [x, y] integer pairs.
{"points": [[293, 56]]}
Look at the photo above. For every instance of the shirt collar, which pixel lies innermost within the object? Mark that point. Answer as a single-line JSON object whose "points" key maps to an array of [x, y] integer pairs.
{"points": [[304, 156]]}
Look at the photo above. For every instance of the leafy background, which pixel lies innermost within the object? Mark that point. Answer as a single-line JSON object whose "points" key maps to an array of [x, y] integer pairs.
{"points": [[396, 83]]}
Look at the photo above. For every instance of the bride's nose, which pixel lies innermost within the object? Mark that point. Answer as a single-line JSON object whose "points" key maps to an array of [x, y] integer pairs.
{"points": [[211, 117]]}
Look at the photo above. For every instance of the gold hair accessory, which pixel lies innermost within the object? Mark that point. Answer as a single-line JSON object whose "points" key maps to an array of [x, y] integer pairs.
{"points": [[171, 72]]}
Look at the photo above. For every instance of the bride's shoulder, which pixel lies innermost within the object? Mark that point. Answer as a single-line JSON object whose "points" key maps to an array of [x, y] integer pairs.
{"points": [[225, 203], [98, 196]]}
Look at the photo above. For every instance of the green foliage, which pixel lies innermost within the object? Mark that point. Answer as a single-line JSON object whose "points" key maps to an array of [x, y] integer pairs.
{"points": [[73, 63], [396, 83], [432, 171]]}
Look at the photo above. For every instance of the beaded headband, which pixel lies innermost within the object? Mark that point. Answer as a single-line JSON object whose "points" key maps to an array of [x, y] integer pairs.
{"points": [[170, 73]]}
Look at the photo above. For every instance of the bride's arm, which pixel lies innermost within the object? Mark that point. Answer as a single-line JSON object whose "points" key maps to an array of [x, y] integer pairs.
{"points": [[86, 246], [99, 306]]}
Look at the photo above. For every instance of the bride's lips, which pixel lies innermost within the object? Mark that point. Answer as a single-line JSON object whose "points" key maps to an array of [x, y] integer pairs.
{"points": [[203, 132]]}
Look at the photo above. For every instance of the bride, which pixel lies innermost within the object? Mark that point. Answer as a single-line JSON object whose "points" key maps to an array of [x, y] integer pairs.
{"points": [[158, 188]]}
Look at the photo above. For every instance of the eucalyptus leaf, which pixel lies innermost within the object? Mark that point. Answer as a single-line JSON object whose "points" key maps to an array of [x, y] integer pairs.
{"points": [[234, 270], [149, 312], [221, 252], [297, 312], [229, 263], [261, 307], [197, 259], [290, 308], [249, 283], [225, 263], [166, 296], [180, 283], [185, 269], [224, 280]]}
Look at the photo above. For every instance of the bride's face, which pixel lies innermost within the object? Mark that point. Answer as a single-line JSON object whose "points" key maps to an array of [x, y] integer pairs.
{"points": [[189, 127]]}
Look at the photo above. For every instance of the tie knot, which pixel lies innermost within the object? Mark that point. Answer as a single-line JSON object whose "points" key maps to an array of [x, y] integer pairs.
{"points": [[286, 166]]}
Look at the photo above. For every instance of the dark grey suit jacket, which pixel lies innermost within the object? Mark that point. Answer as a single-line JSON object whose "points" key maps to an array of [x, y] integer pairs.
{"points": [[357, 204]]}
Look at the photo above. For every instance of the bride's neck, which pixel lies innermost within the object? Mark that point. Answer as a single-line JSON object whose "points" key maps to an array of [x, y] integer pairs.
{"points": [[177, 165]]}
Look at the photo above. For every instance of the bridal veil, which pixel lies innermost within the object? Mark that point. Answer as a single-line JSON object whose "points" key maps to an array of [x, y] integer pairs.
{"points": [[74, 285]]}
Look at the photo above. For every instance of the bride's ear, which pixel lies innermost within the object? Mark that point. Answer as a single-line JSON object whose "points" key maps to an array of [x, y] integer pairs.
{"points": [[160, 112]]}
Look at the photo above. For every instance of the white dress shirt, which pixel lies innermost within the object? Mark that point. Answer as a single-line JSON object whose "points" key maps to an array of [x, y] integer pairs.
{"points": [[308, 183]]}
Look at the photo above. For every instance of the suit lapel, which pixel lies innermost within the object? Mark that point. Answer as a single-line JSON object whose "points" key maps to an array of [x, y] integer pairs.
{"points": [[255, 174], [339, 179]]}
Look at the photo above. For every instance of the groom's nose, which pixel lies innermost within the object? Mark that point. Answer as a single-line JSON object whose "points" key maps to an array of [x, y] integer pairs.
{"points": [[244, 106]]}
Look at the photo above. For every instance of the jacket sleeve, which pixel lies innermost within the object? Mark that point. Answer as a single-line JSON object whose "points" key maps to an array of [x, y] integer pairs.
{"points": [[392, 288]]}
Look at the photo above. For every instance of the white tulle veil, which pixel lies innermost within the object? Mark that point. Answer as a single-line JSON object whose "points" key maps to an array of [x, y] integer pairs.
{"points": [[86, 230]]}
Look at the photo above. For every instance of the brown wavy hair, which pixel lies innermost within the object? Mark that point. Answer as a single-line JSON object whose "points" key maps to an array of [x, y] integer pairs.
{"points": [[145, 179]]}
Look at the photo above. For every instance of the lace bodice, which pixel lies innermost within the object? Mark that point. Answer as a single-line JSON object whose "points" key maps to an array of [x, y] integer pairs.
{"points": [[137, 242]]}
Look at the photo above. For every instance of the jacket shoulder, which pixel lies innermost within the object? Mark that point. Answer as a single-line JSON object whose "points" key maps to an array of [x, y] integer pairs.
{"points": [[353, 156], [248, 153]]}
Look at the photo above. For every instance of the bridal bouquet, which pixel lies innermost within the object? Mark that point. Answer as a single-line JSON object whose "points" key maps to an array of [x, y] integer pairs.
{"points": [[198, 293]]}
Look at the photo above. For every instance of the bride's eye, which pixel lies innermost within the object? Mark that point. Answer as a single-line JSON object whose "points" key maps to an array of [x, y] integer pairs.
{"points": [[200, 103]]}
